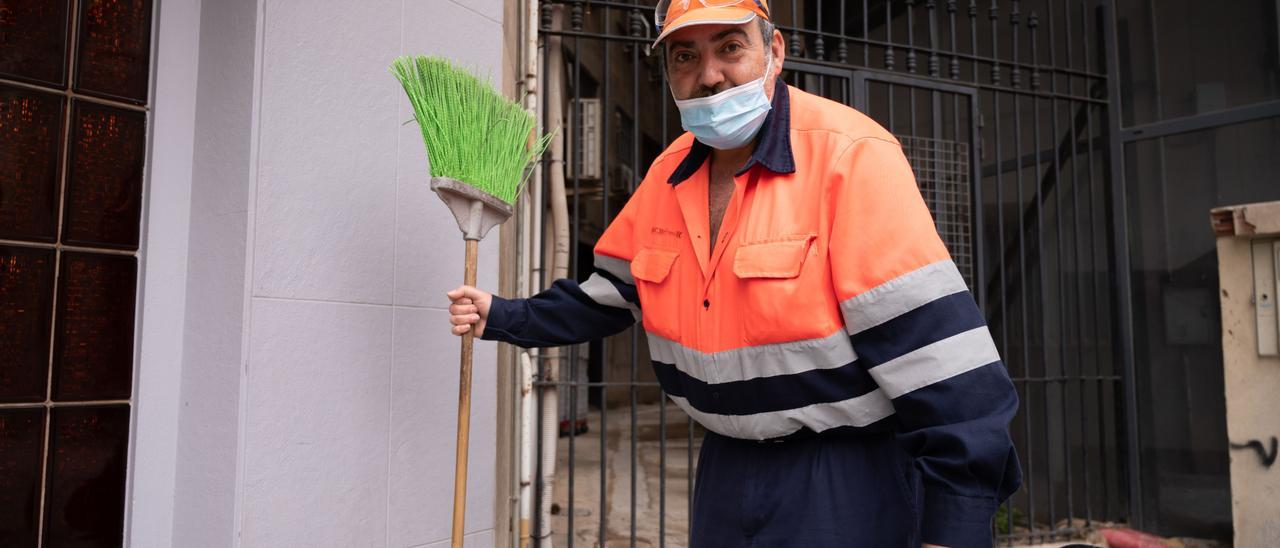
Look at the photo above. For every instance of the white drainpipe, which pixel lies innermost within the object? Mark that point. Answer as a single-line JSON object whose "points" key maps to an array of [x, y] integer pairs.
{"points": [[533, 255], [526, 445], [529, 282], [559, 269]]}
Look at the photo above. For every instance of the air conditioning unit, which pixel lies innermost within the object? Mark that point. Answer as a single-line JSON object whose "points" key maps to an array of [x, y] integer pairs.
{"points": [[587, 164]]}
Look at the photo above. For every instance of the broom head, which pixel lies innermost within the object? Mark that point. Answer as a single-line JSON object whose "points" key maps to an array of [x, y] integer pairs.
{"points": [[471, 132], [479, 144]]}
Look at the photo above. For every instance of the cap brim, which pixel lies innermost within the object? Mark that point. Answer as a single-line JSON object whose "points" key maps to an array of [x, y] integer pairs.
{"points": [[730, 15]]}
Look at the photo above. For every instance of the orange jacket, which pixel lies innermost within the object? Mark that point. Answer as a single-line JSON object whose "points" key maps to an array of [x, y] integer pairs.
{"points": [[828, 304]]}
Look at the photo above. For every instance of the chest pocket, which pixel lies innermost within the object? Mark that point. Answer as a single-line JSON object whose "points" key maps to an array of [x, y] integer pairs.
{"points": [[772, 259], [651, 267], [778, 292]]}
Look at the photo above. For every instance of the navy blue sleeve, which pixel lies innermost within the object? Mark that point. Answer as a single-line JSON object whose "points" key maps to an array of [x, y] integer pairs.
{"points": [[915, 327], [564, 314], [927, 345]]}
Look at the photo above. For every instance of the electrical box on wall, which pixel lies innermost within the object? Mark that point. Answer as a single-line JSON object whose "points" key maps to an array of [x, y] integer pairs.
{"points": [[1266, 279], [586, 164], [1257, 229]]}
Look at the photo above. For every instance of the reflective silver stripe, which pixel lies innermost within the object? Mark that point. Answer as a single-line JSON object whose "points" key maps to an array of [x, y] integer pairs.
{"points": [[602, 291], [936, 362], [753, 362], [857, 411], [901, 295], [613, 265]]}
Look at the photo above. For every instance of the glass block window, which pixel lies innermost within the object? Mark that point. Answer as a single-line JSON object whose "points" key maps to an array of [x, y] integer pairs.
{"points": [[74, 109]]}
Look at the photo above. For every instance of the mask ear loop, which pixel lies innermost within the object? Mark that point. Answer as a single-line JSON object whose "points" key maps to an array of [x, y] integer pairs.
{"points": [[768, 67]]}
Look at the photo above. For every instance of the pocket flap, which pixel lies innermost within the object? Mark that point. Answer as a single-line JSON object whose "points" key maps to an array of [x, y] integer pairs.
{"points": [[779, 258], [653, 264]]}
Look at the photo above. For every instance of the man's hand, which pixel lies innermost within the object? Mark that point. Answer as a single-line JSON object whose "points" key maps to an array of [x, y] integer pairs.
{"points": [[932, 546], [470, 307]]}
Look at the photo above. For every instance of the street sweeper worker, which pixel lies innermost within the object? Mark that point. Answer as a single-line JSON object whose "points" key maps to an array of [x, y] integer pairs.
{"points": [[798, 303]]}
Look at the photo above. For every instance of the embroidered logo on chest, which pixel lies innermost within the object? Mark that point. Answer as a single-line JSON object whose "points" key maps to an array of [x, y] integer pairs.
{"points": [[667, 232]]}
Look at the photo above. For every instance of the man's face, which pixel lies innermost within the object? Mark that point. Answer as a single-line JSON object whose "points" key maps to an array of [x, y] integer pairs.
{"points": [[703, 60]]}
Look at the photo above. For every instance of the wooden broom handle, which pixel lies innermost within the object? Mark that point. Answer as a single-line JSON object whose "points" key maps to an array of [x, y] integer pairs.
{"points": [[464, 409]]}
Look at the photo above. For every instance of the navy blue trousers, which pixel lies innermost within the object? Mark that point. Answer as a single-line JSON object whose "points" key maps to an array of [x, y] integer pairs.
{"points": [[816, 492]]}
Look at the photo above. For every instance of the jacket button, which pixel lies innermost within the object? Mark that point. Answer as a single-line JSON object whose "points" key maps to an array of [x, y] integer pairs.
{"points": [[706, 303]]}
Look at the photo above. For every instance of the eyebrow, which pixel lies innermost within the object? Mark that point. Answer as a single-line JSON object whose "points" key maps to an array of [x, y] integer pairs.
{"points": [[714, 38], [728, 32]]}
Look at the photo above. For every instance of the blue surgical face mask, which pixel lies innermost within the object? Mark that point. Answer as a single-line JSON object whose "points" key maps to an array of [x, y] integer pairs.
{"points": [[731, 118]]}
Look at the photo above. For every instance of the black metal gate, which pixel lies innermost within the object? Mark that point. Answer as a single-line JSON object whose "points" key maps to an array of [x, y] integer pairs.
{"points": [[1002, 109]]}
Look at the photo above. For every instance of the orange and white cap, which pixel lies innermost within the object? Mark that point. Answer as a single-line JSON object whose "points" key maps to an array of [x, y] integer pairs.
{"points": [[672, 15]]}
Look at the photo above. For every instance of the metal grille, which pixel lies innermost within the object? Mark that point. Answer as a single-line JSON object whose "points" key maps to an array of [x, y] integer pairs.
{"points": [[942, 171]]}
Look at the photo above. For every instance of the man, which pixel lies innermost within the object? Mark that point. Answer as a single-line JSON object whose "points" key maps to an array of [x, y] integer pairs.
{"points": [[798, 303]]}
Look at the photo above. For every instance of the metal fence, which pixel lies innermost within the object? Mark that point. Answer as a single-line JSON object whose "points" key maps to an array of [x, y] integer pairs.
{"points": [[1003, 109], [942, 171]]}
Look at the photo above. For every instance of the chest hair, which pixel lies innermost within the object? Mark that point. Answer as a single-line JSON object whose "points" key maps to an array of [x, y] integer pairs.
{"points": [[719, 194]]}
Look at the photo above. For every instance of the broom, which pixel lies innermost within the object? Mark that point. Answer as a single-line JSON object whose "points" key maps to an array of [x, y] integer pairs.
{"points": [[480, 146]]}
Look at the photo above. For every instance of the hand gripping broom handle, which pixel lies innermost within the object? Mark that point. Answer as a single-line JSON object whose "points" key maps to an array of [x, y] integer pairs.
{"points": [[464, 385], [476, 212], [464, 410]]}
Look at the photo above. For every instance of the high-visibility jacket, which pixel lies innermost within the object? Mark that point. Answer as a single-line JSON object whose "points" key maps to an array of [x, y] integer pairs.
{"points": [[829, 303]]}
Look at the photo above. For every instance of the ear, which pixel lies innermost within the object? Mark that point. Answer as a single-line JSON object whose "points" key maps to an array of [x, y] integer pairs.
{"points": [[779, 47]]}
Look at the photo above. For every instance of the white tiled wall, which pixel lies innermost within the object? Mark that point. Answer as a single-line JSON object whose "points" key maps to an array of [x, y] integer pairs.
{"points": [[351, 377], [327, 151], [423, 429], [316, 425]]}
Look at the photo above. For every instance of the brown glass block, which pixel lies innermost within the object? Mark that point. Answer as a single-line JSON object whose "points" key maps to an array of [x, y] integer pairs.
{"points": [[84, 503], [31, 125], [104, 181], [93, 339], [33, 37], [21, 443], [114, 55], [26, 306]]}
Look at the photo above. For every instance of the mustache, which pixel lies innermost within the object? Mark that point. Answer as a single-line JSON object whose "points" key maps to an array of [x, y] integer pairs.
{"points": [[704, 91]]}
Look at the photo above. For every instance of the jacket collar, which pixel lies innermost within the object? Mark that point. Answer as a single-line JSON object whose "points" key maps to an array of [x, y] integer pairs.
{"points": [[773, 144]]}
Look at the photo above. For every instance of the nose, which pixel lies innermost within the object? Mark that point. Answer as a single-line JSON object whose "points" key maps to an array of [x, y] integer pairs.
{"points": [[712, 75]]}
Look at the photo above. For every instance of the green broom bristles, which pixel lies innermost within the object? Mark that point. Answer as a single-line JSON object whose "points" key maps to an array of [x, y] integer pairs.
{"points": [[472, 133]]}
